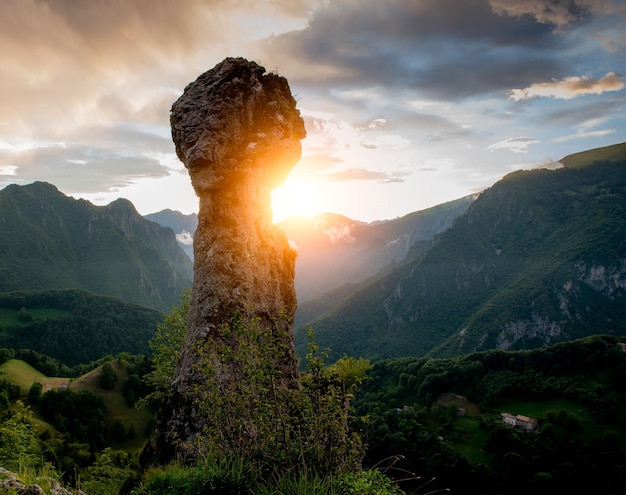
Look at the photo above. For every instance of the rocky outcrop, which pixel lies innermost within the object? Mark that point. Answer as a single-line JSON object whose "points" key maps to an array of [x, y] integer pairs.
{"points": [[10, 483], [237, 131]]}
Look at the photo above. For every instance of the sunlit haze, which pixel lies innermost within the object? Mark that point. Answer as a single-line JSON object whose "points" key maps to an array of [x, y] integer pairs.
{"points": [[406, 104]]}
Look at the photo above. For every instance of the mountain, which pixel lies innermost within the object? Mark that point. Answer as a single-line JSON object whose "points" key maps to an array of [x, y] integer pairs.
{"points": [[51, 241], [539, 257], [334, 250], [335, 253], [184, 226]]}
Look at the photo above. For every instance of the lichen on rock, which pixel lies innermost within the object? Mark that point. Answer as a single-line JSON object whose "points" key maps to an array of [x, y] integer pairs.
{"points": [[237, 131]]}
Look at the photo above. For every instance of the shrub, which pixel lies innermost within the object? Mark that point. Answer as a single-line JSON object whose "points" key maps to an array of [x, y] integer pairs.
{"points": [[108, 377]]}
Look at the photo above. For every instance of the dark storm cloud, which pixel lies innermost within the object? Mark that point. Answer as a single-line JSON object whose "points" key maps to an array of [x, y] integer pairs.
{"points": [[576, 115], [481, 72], [448, 49], [559, 13]]}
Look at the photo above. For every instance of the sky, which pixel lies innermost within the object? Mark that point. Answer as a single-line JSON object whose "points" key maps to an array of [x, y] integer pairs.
{"points": [[407, 103]]}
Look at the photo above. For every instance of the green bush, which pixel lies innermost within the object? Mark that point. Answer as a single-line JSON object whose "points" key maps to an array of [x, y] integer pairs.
{"points": [[369, 482], [108, 377]]}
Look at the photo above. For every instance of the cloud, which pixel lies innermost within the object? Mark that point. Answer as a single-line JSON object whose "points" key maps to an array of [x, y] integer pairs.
{"points": [[317, 161], [575, 114], [432, 47], [353, 174], [516, 145], [376, 123], [79, 168], [100, 77], [8, 170], [584, 134], [557, 13], [447, 136], [185, 238], [389, 141], [66, 63], [86, 87], [544, 11], [339, 233], [570, 87]]}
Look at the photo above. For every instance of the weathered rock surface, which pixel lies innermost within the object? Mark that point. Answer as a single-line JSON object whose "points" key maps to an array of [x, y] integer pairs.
{"points": [[237, 131]]}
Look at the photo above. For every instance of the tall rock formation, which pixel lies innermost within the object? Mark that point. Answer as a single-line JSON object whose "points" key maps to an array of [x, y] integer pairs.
{"points": [[237, 131]]}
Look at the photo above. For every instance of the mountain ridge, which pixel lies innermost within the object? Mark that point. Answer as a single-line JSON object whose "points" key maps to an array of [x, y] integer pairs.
{"points": [[52, 241], [516, 270]]}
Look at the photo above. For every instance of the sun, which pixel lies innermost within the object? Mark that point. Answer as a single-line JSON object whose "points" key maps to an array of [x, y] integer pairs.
{"points": [[297, 197]]}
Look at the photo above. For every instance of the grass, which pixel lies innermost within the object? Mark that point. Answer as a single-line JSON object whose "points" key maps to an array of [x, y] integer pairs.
{"points": [[458, 401], [585, 158], [540, 409], [465, 436], [46, 477], [241, 477], [117, 408], [9, 317], [24, 375], [468, 438]]}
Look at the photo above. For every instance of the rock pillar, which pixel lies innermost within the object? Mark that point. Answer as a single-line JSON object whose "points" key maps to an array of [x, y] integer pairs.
{"points": [[237, 131]]}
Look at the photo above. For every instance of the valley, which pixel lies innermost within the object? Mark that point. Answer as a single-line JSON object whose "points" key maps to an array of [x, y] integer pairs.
{"points": [[511, 301]]}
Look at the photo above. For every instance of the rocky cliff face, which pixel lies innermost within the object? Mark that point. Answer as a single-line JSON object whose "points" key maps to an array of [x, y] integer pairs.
{"points": [[238, 132], [537, 258]]}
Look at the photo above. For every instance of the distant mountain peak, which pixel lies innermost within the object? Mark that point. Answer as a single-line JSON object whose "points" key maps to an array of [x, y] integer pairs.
{"points": [[37, 188], [122, 205]]}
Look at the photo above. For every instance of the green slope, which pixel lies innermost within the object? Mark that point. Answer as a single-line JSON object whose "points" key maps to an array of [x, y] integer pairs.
{"points": [[117, 408], [616, 152], [408, 411], [51, 241], [537, 258], [22, 374]]}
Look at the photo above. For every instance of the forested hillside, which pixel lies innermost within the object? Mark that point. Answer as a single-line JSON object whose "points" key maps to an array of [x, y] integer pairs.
{"points": [[442, 419], [538, 258], [51, 241], [74, 326]]}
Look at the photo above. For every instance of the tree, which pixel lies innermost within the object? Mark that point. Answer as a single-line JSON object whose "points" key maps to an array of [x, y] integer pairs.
{"points": [[108, 377], [35, 392], [108, 473], [18, 440], [5, 403], [24, 315], [6, 354], [166, 347]]}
